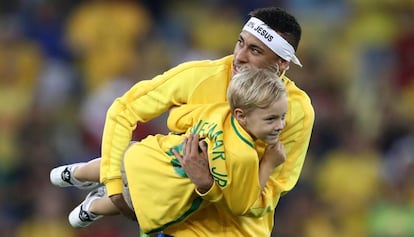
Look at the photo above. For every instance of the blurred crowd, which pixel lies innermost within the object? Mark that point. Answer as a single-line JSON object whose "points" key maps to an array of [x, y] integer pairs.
{"points": [[63, 62]]}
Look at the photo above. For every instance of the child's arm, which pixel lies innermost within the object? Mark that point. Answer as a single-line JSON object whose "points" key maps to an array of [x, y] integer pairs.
{"points": [[273, 156]]}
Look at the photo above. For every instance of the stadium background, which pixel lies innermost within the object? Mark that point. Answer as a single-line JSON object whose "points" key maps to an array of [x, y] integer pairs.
{"points": [[63, 62]]}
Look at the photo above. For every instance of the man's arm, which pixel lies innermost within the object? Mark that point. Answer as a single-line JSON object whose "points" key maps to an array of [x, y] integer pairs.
{"points": [[150, 98], [119, 201], [144, 101]]}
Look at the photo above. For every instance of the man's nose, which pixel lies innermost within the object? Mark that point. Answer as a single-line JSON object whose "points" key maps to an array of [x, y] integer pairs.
{"points": [[241, 55]]}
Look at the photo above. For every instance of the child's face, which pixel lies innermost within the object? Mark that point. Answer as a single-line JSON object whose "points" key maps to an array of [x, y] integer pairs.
{"points": [[266, 124]]}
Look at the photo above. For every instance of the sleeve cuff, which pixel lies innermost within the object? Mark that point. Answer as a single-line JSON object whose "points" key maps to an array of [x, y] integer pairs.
{"points": [[114, 186], [214, 194]]}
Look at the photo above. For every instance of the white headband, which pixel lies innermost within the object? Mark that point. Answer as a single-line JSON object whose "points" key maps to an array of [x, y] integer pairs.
{"points": [[271, 39]]}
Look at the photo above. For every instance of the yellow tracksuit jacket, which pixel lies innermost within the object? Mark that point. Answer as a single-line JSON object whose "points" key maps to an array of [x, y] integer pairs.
{"points": [[204, 82]]}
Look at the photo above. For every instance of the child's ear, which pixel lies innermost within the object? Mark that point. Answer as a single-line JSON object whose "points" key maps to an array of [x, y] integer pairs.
{"points": [[240, 116]]}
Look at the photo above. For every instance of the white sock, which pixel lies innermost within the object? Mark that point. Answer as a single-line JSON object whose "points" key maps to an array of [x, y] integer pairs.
{"points": [[74, 180]]}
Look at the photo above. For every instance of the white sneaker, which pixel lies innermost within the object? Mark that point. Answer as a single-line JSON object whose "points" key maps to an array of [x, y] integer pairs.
{"points": [[62, 176], [81, 216]]}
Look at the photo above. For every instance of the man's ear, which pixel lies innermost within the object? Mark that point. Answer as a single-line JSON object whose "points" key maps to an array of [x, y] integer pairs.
{"points": [[283, 65], [240, 116]]}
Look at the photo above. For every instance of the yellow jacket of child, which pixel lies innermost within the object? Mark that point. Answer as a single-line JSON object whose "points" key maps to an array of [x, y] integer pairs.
{"points": [[160, 190]]}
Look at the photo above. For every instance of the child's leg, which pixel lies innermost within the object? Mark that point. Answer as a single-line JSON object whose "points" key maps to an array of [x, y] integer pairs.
{"points": [[103, 206], [88, 171]]}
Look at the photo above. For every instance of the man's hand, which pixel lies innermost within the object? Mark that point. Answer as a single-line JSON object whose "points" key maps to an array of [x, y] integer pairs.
{"points": [[194, 164], [119, 201]]}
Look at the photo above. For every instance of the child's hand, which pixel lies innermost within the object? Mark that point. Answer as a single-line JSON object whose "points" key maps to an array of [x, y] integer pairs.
{"points": [[274, 154]]}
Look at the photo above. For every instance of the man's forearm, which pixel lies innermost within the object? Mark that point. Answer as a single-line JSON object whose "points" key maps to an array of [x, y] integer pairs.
{"points": [[119, 201]]}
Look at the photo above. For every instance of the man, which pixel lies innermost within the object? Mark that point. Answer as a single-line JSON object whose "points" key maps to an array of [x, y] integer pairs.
{"points": [[269, 38]]}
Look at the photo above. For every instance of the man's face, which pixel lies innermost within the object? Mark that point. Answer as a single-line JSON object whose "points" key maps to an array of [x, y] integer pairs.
{"points": [[251, 51]]}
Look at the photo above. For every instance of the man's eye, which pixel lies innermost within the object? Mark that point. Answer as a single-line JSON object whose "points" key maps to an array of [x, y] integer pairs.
{"points": [[255, 51]]}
